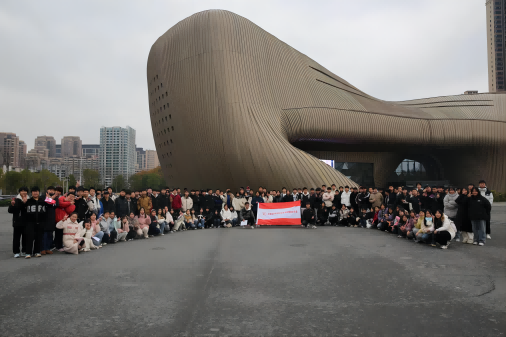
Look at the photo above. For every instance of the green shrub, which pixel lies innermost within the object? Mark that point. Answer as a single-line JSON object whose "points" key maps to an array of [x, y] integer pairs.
{"points": [[5, 203], [499, 197]]}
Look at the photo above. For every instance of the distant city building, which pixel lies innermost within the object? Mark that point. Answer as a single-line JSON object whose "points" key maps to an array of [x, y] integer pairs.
{"points": [[496, 44], [90, 150], [58, 150], [23, 147], [140, 159], [71, 146], [117, 153], [9, 149], [151, 160], [49, 143]]}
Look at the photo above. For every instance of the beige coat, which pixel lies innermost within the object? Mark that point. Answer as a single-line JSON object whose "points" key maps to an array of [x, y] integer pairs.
{"points": [[376, 199], [71, 231]]}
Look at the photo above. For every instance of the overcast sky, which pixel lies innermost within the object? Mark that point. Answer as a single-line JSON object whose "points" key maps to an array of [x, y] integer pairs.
{"points": [[69, 67]]}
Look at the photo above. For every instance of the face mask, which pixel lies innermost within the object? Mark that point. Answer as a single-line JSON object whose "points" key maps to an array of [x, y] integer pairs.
{"points": [[428, 219]]}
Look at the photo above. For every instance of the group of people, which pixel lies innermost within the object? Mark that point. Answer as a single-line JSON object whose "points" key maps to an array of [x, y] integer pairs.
{"points": [[86, 218]]}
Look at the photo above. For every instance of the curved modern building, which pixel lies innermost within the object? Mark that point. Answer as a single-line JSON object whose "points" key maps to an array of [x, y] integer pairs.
{"points": [[231, 105]]}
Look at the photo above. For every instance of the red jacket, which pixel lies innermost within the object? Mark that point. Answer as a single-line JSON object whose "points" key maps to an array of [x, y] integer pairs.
{"points": [[64, 208], [176, 201]]}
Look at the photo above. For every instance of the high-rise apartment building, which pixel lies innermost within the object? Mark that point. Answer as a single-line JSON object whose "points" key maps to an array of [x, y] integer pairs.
{"points": [[151, 160], [9, 149], [23, 148], [117, 153], [496, 44], [140, 159], [71, 146], [49, 143], [91, 150]]}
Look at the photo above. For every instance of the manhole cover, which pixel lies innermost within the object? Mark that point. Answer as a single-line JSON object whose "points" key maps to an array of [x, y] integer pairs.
{"points": [[158, 248]]}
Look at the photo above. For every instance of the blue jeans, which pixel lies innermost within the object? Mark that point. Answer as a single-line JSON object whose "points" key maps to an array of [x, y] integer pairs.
{"points": [[234, 222], [199, 223], [99, 235], [217, 222], [479, 230], [427, 237], [189, 224], [47, 240], [162, 226]]}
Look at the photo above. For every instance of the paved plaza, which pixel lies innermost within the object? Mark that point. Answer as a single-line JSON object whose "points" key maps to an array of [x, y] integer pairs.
{"points": [[268, 281]]}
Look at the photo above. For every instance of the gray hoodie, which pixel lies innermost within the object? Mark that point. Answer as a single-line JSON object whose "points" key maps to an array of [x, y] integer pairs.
{"points": [[451, 207]]}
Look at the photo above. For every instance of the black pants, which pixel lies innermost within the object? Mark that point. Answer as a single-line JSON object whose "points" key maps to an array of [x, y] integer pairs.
{"points": [[16, 238], [105, 238], [487, 226], [250, 221], [58, 238], [343, 222], [131, 234], [442, 237], [33, 234], [333, 220], [112, 236], [305, 223]]}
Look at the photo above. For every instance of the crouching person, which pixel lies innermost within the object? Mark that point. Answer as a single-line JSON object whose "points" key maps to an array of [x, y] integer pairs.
{"points": [[308, 217], [104, 227], [87, 234], [122, 228], [444, 229], [133, 226], [247, 215], [425, 233], [233, 217], [144, 222], [72, 241], [154, 226]]}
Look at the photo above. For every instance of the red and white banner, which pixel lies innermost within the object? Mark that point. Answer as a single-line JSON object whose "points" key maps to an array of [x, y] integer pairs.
{"points": [[279, 213]]}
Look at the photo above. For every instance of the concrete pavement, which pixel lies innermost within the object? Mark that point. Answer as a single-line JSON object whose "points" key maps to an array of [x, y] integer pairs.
{"points": [[268, 281]]}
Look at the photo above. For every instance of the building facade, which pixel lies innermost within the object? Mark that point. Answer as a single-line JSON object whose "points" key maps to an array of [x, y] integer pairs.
{"points": [[496, 44], [71, 146], [117, 153], [264, 114], [9, 149], [49, 143], [90, 150], [151, 160]]}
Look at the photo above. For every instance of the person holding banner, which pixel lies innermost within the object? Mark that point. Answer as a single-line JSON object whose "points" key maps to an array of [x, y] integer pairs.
{"points": [[308, 217]]}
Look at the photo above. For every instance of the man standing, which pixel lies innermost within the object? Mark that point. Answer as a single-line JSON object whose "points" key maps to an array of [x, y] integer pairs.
{"points": [[50, 224], [133, 202], [176, 201], [108, 203], [81, 204], [346, 197], [36, 215], [18, 211], [144, 202], [375, 199], [122, 205], [485, 192]]}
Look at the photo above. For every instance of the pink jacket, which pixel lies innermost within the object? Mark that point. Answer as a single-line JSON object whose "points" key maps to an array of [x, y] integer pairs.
{"points": [[96, 227], [144, 221]]}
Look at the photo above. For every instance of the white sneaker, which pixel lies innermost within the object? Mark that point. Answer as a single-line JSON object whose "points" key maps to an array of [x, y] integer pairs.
{"points": [[146, 237], [481, 244], [489, 237], [444, 247], [475, 243], [16, 255], [252, 227], [314, 227], [104, 244], [457, 240], [163, 234], [27, 256], [38, 255]]}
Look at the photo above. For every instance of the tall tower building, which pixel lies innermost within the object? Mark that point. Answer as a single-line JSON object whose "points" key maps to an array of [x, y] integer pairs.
{"points": [[47, 142], [71, 146], [9, 149], [117, 153], [23, 148], [496, 40], [151, 160]]}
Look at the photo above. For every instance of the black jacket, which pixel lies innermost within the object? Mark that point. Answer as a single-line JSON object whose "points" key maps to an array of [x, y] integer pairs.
{"points": [[308, 215], [415, 203], [133, 203], [400, 198], [108, 205], [362, 200], [82, 209], [247, 214], [462, 220], [353, 199], [122, 205], [316, 200], [337, 200], [50, 224], [305, 199], [288, 198], [163, 201], [36, 211], [323, 214], [154, 201], [18, 212], [390, 200], [478, 208], [207, 201], [196, 202]]}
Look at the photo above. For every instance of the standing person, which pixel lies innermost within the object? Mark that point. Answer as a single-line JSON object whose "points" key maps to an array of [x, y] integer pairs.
{"points": [[328, 199], [345, 197], [93, 203], [186, 202], [65, 208], [36, 216], [144, 202], [163, 199], [257, 199], [176, 201], [81, 204], [375, 198], [195, 195], [50, 224], [122, 205], [485, 192], [353, 198], [18, 211], [308, 217], [462, 221], [133, 203], [108, 203], [479, 213], [451, 207], [414, 201]]}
